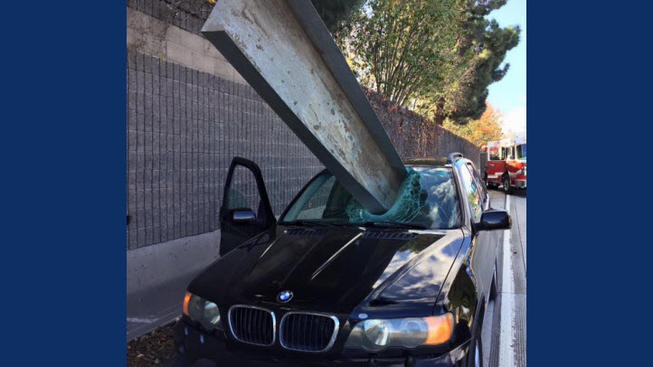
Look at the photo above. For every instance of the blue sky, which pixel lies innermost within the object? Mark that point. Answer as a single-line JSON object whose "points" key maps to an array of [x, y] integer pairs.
{"points": [[509, 94]]}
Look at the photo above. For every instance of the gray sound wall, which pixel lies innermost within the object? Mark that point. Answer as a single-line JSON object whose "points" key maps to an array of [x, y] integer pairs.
{"points": [[417, 137]]}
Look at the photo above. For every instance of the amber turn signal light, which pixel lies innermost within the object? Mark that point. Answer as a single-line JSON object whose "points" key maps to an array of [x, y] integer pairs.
{"points": [[440, 328], [186, 300]]}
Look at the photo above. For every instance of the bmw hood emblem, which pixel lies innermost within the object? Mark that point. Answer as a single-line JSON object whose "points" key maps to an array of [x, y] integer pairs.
{"points": [[284, 296]]}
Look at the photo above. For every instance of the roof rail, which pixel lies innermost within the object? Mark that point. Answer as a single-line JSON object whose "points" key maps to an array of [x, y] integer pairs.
{"points": [[454, 157]]}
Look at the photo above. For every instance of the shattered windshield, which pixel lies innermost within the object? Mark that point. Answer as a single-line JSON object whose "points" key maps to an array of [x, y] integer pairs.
{"points": [[427, 199]]}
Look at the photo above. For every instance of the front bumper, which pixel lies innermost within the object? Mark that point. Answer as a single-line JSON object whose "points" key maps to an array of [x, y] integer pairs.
{"points": [[198, 349], [520, 183]]}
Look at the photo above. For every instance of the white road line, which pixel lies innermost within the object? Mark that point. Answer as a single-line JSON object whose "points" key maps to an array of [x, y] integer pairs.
{"points": [[506, 338], [141, 320]]}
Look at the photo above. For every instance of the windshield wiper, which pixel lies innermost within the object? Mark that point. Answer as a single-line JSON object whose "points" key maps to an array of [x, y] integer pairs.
{"points": [[385, 224]]}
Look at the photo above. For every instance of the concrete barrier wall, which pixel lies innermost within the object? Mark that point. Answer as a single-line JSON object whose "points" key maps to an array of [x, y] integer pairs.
{"points": [[417, 137]]}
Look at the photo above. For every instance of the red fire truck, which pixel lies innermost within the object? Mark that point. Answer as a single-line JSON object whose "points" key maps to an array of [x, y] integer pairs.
{"points": [[506, 164]]}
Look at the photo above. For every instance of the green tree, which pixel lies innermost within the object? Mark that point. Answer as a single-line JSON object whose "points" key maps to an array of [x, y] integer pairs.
{"points": [[402, 49], [483, 47], [468, 100], [436, 56]]}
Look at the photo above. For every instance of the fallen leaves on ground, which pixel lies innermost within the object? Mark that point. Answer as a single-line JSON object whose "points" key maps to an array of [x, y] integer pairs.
{"points": [[154, 349]]}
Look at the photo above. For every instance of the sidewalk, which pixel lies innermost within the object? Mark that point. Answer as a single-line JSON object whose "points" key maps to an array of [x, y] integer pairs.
{"points": [[157, 277]]}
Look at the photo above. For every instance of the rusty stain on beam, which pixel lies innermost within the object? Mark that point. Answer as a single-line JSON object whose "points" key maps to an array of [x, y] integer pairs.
{"points": [[287, 55]]}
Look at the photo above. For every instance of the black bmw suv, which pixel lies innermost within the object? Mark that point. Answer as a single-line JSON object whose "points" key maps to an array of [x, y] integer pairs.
{"points": [[331, 284]]}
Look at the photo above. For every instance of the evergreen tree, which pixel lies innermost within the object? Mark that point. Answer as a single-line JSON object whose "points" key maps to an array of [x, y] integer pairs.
{"points": [[483, 47]]}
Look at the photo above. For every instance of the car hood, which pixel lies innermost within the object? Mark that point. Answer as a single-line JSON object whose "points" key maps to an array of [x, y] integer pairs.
{"points": [[333, 269]]}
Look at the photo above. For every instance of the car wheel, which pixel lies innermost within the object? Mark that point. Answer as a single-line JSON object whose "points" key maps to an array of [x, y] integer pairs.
{"points": [[506, 184]]}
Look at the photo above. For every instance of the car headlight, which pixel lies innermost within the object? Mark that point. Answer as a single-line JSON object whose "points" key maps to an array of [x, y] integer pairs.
{"points": [[375, 335], [203, 311]]}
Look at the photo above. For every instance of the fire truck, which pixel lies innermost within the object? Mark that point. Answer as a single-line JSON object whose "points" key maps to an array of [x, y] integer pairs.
{"points": [[506, 164]]}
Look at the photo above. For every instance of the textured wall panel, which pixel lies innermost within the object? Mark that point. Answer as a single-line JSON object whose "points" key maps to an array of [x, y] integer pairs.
{"points": [[183, 128]]}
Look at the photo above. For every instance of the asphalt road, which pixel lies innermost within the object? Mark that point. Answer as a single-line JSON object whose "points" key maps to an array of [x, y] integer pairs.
{"points": [[505, 339]]}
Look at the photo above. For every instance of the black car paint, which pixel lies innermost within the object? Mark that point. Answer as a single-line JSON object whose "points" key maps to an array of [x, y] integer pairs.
{"points": [[348, 271]]}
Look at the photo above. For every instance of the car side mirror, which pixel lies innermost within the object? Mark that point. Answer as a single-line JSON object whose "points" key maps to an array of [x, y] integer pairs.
{"points": [[494, 219], [243, 216]]}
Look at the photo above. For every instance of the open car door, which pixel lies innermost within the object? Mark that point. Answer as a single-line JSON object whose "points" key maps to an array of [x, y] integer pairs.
{"points": [[246, 209]]}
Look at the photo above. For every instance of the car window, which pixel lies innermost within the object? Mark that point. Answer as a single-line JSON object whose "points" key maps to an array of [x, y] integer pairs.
{"points": [[243, 193], [472, 192], [428, 200], [495, 155], [479, 181], [316, 204]]}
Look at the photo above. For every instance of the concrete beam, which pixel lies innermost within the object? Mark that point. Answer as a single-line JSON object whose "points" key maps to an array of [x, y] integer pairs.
{"points": [[285, 52]]}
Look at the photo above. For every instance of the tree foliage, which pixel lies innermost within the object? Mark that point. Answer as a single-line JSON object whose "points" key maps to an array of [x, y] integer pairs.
{"points": [[437, 56], [486, 128], [484, 46], [403, 48]]}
